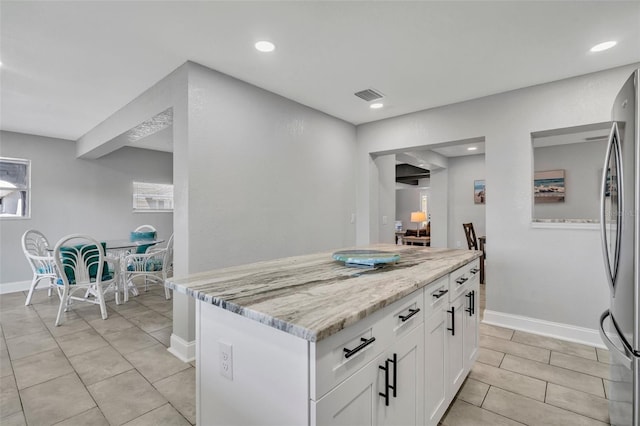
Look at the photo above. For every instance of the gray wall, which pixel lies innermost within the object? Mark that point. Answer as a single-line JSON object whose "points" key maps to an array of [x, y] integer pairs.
{"points": [[267, 177], [582, 164], [71, 195], [407, 201], [532, 273], [462, 209]]}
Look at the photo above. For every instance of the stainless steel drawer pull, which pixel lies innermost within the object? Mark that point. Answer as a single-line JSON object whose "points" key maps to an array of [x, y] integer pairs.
{"points": [[411, 313], [365, 343]]}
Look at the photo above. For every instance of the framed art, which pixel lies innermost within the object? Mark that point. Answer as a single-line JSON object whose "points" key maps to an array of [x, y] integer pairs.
{"points": [[549, 186], [479, 192]]}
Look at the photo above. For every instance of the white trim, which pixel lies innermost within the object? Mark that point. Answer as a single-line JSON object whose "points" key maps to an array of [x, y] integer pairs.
{"points": [[571, 333], [15, 287], [566, 225], [181, 349]]}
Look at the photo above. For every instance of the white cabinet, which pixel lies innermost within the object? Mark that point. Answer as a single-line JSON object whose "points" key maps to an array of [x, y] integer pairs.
{"points": [[451, 337], [401, 365], [386, 391]]}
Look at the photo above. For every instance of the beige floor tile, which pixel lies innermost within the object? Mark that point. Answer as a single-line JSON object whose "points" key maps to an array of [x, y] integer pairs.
{"points": [[163, 335], [67, 327], [130, 340], [41, 296], [110, 325], [89, 311], [580, 364], [49, 313], [180, 390], [578, 402], [473, 391], [165, 415], [17, 313], [518, 383], [81, 342], [11, 300], [563, 346], [603, 355], [156, 363], [22, 326], [489, 356], [9, 398], [495, 331], [151, 321], [133, 311], [550, 373], [31, 344], [99, 364], [532, 412], [92, 417], [56, 400], [5, 362], [40, 368], [464, 414], [125, 397], [514, 348], [16, 419]]}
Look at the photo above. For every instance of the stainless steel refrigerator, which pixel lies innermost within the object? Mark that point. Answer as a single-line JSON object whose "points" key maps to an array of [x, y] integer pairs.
{"points": [[620, 221]]}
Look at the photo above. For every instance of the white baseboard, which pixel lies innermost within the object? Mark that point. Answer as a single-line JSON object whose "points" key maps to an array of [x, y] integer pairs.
{"points": [[181, 349], [15, 287], [571, 333]]}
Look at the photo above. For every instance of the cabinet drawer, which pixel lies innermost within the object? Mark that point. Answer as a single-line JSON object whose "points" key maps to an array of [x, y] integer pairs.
{"points": [[342, 354], [435, 295], [461, 278]]}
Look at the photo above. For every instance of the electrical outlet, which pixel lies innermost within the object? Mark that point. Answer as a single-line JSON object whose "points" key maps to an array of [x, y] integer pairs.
{"points": [[458, 244], [226, 360], [384, 220]]}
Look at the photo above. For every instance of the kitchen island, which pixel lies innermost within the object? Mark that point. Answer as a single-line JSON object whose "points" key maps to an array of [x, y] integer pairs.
{"points": [[307, 340]]}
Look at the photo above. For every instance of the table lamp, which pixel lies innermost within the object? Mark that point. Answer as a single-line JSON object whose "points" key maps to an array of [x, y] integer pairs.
{"points": [[418, 218]]}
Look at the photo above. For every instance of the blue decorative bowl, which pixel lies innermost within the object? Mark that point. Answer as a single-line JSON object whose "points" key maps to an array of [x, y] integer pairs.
{"points": [[366, 258]]}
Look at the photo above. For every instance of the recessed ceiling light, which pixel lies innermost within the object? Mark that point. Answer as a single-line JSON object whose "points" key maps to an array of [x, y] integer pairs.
{"points": [[603, 46], [265, 46], [472, 148], [377, 105]]}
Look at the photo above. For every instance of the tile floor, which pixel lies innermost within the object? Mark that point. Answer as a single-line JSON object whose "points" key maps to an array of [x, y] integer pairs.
{"points": [[118, 371], [89, 371]]}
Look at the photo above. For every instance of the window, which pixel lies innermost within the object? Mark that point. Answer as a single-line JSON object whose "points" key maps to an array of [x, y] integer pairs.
{"points": [[15, 187], [152, 197]]}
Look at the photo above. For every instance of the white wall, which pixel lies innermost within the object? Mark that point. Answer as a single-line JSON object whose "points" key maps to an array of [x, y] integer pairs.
{"points": [[71, 195], [582, 164], [462, 209], [555, 275]]}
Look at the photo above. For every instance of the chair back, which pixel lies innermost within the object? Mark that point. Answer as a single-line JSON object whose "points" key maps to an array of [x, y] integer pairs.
{"points": [[144, 232], [167, 262], [35, 247], [470, 233], [81, 260]]}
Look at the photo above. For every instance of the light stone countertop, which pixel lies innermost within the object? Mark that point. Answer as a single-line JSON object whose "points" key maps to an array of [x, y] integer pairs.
{"points": [[314, 296]]}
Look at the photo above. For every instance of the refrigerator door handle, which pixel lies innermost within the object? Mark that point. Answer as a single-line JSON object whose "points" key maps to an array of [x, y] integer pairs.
{"points": [[613, 150], [624, 355]]}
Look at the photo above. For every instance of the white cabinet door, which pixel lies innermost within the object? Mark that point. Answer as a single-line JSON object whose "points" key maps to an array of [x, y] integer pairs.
{"points": [[406, 398], [351, 403], [471, 325], [436, 402], [455, 345]]}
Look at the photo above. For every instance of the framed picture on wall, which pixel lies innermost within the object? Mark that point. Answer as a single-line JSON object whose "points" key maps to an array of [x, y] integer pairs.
{"points": [[479, 192], [548, 186]]}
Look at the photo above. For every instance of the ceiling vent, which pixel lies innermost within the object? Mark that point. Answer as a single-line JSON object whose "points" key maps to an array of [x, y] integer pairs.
{"points": [[369, 95]]}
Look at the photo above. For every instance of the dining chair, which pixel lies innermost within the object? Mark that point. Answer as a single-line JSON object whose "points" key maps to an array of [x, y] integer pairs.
{"points": [[155, 266], [472, 242], [35, 247], [144, 232], [83, 267]]}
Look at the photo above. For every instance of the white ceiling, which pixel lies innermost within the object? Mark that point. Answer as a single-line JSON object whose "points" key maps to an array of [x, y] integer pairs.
{"points": [[67, 66]]}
